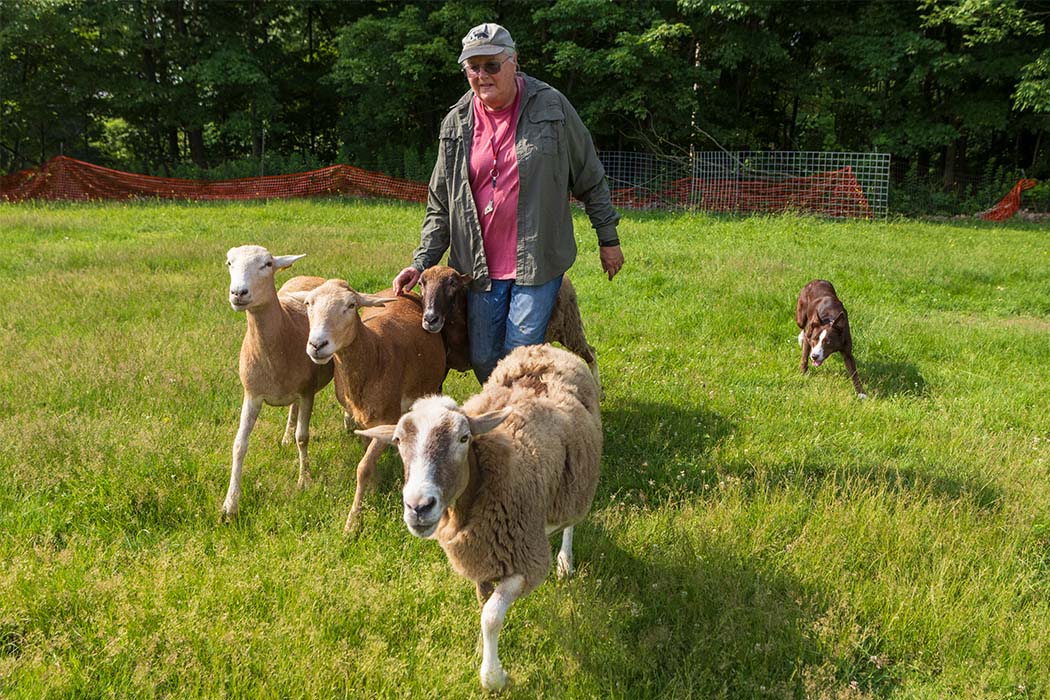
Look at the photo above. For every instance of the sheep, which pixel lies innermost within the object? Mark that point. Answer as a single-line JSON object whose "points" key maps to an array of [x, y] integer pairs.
{"points": [[273, 367], [383, 360], [491, 481], [445, 311]]}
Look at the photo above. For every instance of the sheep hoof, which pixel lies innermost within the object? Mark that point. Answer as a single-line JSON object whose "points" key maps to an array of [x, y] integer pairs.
{"points": [[229, 511], [862, 396], [565, 568], [494, 679], [304, 481], [353, 523]]}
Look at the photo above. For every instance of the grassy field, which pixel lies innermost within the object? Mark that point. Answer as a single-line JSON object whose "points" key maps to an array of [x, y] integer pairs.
{"points": [[756, 533]]}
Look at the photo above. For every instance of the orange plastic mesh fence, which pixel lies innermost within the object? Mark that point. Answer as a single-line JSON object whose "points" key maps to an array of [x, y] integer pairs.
{"points": [[834, 193], [68, 179], [1009, 204]]}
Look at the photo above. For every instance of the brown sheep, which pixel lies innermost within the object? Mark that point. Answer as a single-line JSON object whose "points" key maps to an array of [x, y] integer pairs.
{"points": [[491, 481], [273, 367], [445, 311], [383, 360]]}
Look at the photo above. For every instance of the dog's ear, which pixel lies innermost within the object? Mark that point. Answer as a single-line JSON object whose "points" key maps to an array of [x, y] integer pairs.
{"points": [[840, 320]]}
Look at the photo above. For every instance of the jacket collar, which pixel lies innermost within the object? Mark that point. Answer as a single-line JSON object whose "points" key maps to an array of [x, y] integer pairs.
{"points": [[464, 109]]}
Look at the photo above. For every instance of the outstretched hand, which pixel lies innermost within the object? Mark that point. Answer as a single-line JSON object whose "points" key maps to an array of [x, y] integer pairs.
{"points": [[405, 280], [612, 259]]}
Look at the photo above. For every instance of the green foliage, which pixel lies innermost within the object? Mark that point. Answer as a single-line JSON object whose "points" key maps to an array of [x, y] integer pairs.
{"points": [[756, 533], [945, 85], [1033, 92]]}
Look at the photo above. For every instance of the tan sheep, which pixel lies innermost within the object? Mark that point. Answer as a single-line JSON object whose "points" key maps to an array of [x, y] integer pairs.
{"points": [[384, 360], [445, 311], [491, 481], [274, 367]]}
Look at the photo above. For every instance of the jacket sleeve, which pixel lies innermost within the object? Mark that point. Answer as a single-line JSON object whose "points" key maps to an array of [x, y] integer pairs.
{"points": [[434, 237], [587, 180]]}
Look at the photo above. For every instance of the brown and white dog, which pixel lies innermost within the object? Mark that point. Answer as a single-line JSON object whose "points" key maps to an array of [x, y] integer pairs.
{"points": [[825, 329]]}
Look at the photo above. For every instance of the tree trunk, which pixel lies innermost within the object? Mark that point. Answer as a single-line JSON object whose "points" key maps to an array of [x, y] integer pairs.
{"points": [[922, 166], [953, 157], [173, 145], [256, 134], [309, 61], [792, 125], [196, 139]]}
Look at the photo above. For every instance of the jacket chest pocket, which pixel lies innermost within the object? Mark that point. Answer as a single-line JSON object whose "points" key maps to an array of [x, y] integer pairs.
{"points": [[451, 147], [545, 129]]}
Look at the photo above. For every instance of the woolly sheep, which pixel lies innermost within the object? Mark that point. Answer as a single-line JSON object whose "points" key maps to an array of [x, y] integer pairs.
{"points": [[491, 481]]}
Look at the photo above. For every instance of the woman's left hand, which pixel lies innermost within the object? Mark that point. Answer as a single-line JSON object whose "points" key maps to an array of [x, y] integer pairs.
{"points": [[612, 259]]}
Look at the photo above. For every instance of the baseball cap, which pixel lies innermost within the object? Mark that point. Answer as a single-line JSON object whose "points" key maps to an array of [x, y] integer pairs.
{"points": [[486, 39]]}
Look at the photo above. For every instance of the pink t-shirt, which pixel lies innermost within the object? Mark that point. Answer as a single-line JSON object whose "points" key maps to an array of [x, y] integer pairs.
{"points": [[497, 206]]}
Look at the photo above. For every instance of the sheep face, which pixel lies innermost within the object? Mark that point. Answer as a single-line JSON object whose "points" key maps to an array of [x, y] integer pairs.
{"points": [[434, 440], [252, 268], [440, 286], [334, 323]]}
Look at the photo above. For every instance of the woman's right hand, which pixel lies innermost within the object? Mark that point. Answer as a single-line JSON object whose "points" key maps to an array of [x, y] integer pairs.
{"points": [[405, 280]]}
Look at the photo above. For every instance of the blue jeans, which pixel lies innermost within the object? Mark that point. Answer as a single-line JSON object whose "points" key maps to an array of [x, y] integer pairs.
{"points": [[505, 317]]}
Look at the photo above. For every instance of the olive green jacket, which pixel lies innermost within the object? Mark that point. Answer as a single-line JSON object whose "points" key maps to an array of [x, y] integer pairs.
{"points": [[555, 157]]}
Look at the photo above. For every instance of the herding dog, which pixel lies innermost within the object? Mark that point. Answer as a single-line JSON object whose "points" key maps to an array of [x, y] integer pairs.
{"points": [[825, 329]]}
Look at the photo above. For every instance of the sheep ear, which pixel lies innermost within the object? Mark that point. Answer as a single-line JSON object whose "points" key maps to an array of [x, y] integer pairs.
{"points": [[298, 296], [465, 280], [479, 425], [382, 433], [285, 261], [373, 300]]}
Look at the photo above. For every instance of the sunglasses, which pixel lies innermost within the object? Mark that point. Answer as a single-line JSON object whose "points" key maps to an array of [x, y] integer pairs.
{"points": [[490, 67]]}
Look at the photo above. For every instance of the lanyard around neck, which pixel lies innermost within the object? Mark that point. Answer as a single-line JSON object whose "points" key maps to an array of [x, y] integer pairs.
{"points": [[496, 147]]}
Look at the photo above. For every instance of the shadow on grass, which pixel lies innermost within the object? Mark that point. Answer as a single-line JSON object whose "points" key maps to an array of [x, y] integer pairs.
{"points": [[652, 441], [892, 378], [690, 618], [817, 471]]}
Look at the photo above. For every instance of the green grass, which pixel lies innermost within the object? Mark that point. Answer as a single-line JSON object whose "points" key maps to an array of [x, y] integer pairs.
{"points": [[756, 533]]}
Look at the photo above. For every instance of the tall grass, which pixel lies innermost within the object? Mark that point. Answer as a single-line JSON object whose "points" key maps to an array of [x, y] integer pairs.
{"points": [[756, 533]]}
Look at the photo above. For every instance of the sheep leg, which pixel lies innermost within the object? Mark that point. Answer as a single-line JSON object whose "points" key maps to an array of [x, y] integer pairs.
{"points": [[483, 589], [493, 677], [365, 472], [293, 417], [249, 413], [302, 438], [565, 554], [593, 366]]}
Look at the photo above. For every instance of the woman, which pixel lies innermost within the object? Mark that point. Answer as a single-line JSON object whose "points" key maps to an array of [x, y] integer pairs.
{"points": [[511, 151]]}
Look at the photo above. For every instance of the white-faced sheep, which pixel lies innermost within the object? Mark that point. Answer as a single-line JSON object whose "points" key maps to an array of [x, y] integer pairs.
{"points": [[274, 367], [384, 360], [445, 311], [491, 481]]}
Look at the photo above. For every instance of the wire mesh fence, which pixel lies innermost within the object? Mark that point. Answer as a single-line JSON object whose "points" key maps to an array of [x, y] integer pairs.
{"points": [[827, 184], [834, 184]]}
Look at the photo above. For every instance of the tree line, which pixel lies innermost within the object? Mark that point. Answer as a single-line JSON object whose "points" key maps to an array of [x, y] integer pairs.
{"points": [[220, 87]]}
